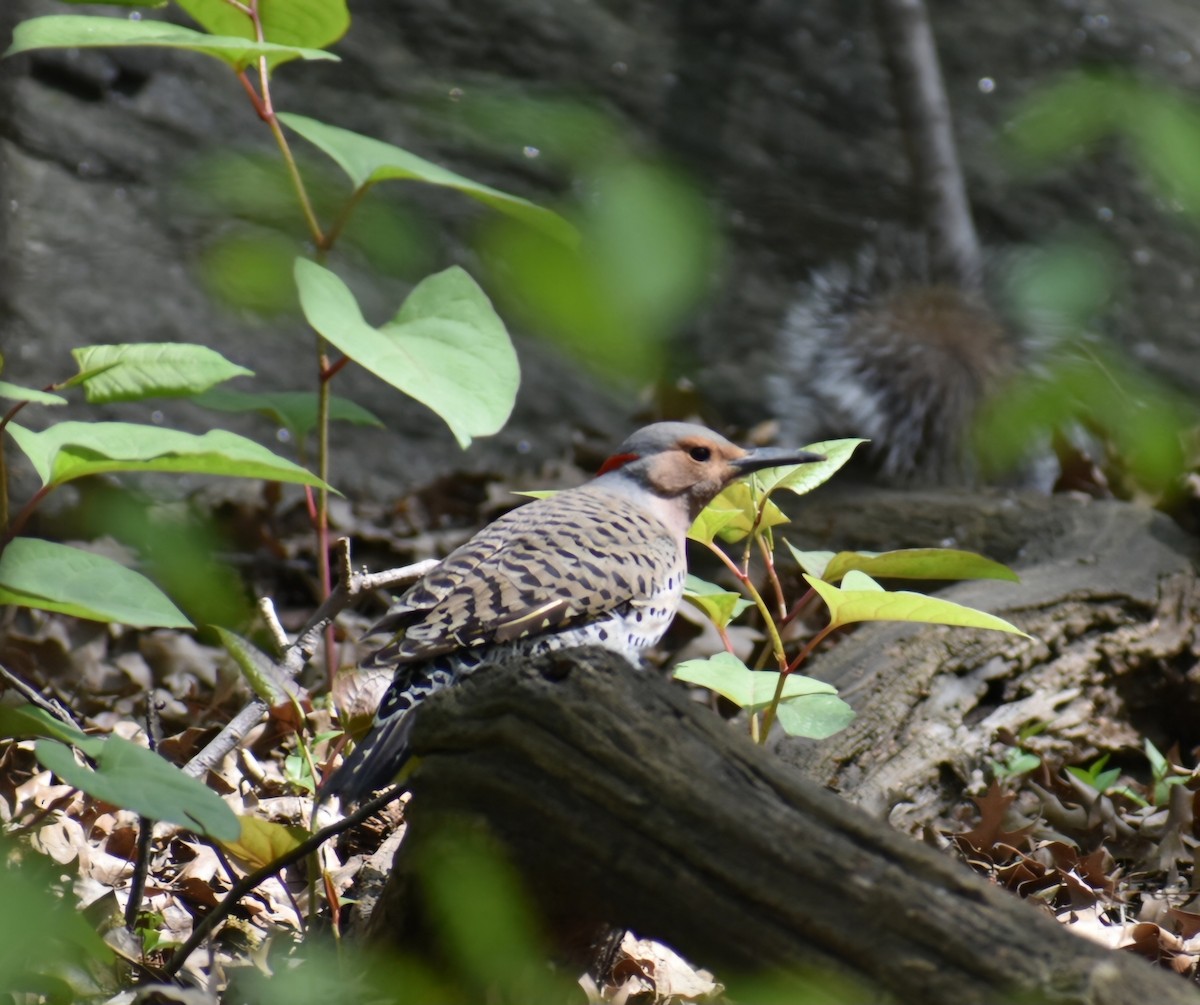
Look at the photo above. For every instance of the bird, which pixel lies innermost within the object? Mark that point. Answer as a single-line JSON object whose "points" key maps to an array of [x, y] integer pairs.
{"points": [[600, 564]]}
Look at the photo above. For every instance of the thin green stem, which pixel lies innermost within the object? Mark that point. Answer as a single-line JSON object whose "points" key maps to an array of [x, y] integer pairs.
{"points": [[757, 598], [265, 108]]}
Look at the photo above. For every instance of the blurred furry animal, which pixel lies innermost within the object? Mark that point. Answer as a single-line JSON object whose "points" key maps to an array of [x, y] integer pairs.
{"points": [[883, 349]]}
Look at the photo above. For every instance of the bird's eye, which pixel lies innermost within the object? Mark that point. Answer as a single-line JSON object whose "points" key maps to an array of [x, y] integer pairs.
{"points": [[700, 453]]}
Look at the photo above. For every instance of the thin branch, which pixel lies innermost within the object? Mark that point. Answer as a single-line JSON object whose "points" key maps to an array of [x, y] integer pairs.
{"points": [[35, 697], [924, 111], [351, 585], [253, 879], [141, 863], [266, 609]]}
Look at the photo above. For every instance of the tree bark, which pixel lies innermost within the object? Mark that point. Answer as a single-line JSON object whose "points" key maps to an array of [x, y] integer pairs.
{"points": [[1110, 593], [622, 800]]}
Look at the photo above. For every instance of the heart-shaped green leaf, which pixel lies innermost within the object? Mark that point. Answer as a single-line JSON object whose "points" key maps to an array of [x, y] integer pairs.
{"points": [[446, 346]]}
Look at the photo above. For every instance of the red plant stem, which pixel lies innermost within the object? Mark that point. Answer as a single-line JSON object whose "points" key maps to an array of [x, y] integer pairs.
{"points": [[769, 561], [23, 516]]}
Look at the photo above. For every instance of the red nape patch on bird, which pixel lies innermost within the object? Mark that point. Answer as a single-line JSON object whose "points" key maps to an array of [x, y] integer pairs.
{"points": [[616, 461]]}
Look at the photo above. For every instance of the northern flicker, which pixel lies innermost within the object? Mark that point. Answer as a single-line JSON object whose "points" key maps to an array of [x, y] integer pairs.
{"points": [[601, 564]]}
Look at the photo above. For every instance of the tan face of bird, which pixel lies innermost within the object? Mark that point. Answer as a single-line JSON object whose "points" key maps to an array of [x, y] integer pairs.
{"points": [[692, 464]]}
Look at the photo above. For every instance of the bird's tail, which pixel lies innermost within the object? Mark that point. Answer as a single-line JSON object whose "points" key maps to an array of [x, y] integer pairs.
{"points": [[374, 762], [384, 750]]}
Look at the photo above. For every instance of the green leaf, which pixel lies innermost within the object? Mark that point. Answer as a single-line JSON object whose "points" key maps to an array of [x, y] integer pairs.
{"points": [[138, 779], [258, 669], [314, 24], [71, 450], [294, 410], [718, 604], [29, 720], [1068, 116], [77, 31], [815, 716], [446, 346], [13, 392], [133, 371], [1159, 765], [711, 522], [909, 563], [261, 842], [862, 599], [803, 478], [368, 161], [732, 516], [749, 689], [56, 577], [812, 562]]}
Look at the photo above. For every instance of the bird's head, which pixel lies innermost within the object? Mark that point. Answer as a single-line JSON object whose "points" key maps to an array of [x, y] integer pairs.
{"points": [[689, 463]]}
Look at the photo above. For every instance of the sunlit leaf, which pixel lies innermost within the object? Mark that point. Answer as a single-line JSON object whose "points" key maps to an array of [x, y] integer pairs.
{"points": [[138, 779], [907, 563], [752, 690], [13, 392], [862, 599], [311, 23], [368, 161], [55, 577], [711, 522], [803, 478], [71, 450], [733, 513], [262, 841], [77, 31], [446, 346], [718, 604], [812, 562], [133, 371]]}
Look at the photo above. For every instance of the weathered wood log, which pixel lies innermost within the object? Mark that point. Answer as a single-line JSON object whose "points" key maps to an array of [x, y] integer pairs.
{"points": [[1109, 590], [620, 799]]}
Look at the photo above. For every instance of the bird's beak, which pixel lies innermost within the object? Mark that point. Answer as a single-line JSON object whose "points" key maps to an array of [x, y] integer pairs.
{"points": [[772, 457]]}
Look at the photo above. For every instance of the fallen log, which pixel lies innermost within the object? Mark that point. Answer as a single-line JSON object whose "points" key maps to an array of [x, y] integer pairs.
{"points": [[621, 800]]}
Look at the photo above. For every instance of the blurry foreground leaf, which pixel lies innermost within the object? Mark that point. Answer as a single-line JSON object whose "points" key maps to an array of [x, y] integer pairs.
{"points": [[138, 779], [56, 577]]}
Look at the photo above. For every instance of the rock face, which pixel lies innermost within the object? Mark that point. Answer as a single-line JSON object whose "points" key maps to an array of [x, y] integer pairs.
{"points": [[779, 111]]}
